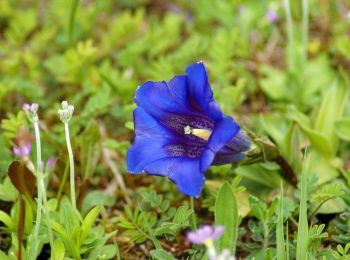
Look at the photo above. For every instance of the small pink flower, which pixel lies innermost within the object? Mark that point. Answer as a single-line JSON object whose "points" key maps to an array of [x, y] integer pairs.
{"points": [[204, 234], [50, 163], [22, 151], [271, 16]]}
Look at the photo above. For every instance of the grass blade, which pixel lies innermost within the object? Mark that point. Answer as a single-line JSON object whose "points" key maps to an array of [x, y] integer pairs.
{"points": [[281, 247], [71, 21], [303, 229]]}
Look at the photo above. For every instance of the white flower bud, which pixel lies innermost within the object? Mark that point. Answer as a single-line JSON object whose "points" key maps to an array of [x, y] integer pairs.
{"points": [[31, 111], [66, 112]]}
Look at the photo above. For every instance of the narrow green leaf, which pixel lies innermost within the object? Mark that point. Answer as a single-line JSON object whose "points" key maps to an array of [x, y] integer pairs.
{"points": [[89, 221], [226, 215], [281, 247], [71, 21], [303, 231], [6, 219]]}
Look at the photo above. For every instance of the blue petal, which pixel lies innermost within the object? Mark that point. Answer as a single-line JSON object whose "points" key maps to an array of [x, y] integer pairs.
{"points": [[150, 139], [223, 132], [221, 158], [239, 143], [200, 92], [184, 172], [161, 99]]}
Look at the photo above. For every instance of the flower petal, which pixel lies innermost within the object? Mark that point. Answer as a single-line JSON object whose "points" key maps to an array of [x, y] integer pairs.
{"points": [[184, 172], [150, 139], [223, 132], [200, 92], [221, 158], [161, 99], [218, 231], [193, 237]]}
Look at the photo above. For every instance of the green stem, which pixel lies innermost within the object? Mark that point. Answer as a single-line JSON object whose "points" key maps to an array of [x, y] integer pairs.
{"points": [[62, 184], [42, 201], [317, 209], [266, 236], [194, 221], [305, 27], [290, 54], [48, 221], [71, 165]]}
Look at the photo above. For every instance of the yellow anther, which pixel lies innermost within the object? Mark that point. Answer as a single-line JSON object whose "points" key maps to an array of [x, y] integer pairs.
{"points": [[201, 133]]}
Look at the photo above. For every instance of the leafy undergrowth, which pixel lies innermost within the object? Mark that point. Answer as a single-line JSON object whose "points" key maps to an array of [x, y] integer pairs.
{"points": [[281, 68]]}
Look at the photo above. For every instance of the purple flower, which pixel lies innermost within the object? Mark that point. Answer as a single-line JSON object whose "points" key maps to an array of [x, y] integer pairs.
{"points": [[50, 163], [271, 16], [31, 111], [22, 151], [181, 131], [205, 233]]}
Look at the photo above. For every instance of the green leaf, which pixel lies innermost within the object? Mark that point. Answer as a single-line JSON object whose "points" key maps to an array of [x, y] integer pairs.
{"points": [[332, 107], [7, 220], [90, 143], [161, 254], [259, 208], [58, 250], [273, 83], [69, 216], [327, 192], [3, 256], [66, 238], [226, 215], [88, 221], [8, 192], [342, 128], [105, 252], [319, 141], [258, 174], [94, 198]]}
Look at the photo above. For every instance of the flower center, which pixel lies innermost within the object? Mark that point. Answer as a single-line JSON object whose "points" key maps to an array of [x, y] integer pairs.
{"points": [[201, 133]]}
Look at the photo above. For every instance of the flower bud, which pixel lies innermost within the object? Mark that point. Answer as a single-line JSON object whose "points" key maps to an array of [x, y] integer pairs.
{"points": [[66, 112]]}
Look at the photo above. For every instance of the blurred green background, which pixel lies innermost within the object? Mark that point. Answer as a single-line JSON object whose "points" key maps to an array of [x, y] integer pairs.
{"points": [[280, 71]]}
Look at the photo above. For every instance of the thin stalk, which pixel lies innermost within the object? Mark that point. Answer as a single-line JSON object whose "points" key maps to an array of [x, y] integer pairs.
{"points": [[71, 166], [194, 221], [150, 235], [316, 209], [266, 235], [287, 241], [303, 229], [42, 201], [305, 27], [62, 183], [39, 199], [280, 247], [289, 29]]}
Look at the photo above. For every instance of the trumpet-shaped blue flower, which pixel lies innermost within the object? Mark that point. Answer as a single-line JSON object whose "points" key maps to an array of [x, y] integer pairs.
{"points": [[180, 131]]}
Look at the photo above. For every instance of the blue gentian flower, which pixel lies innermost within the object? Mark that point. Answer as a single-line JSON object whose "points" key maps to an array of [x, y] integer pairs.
{"points": [[180, 131]]}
